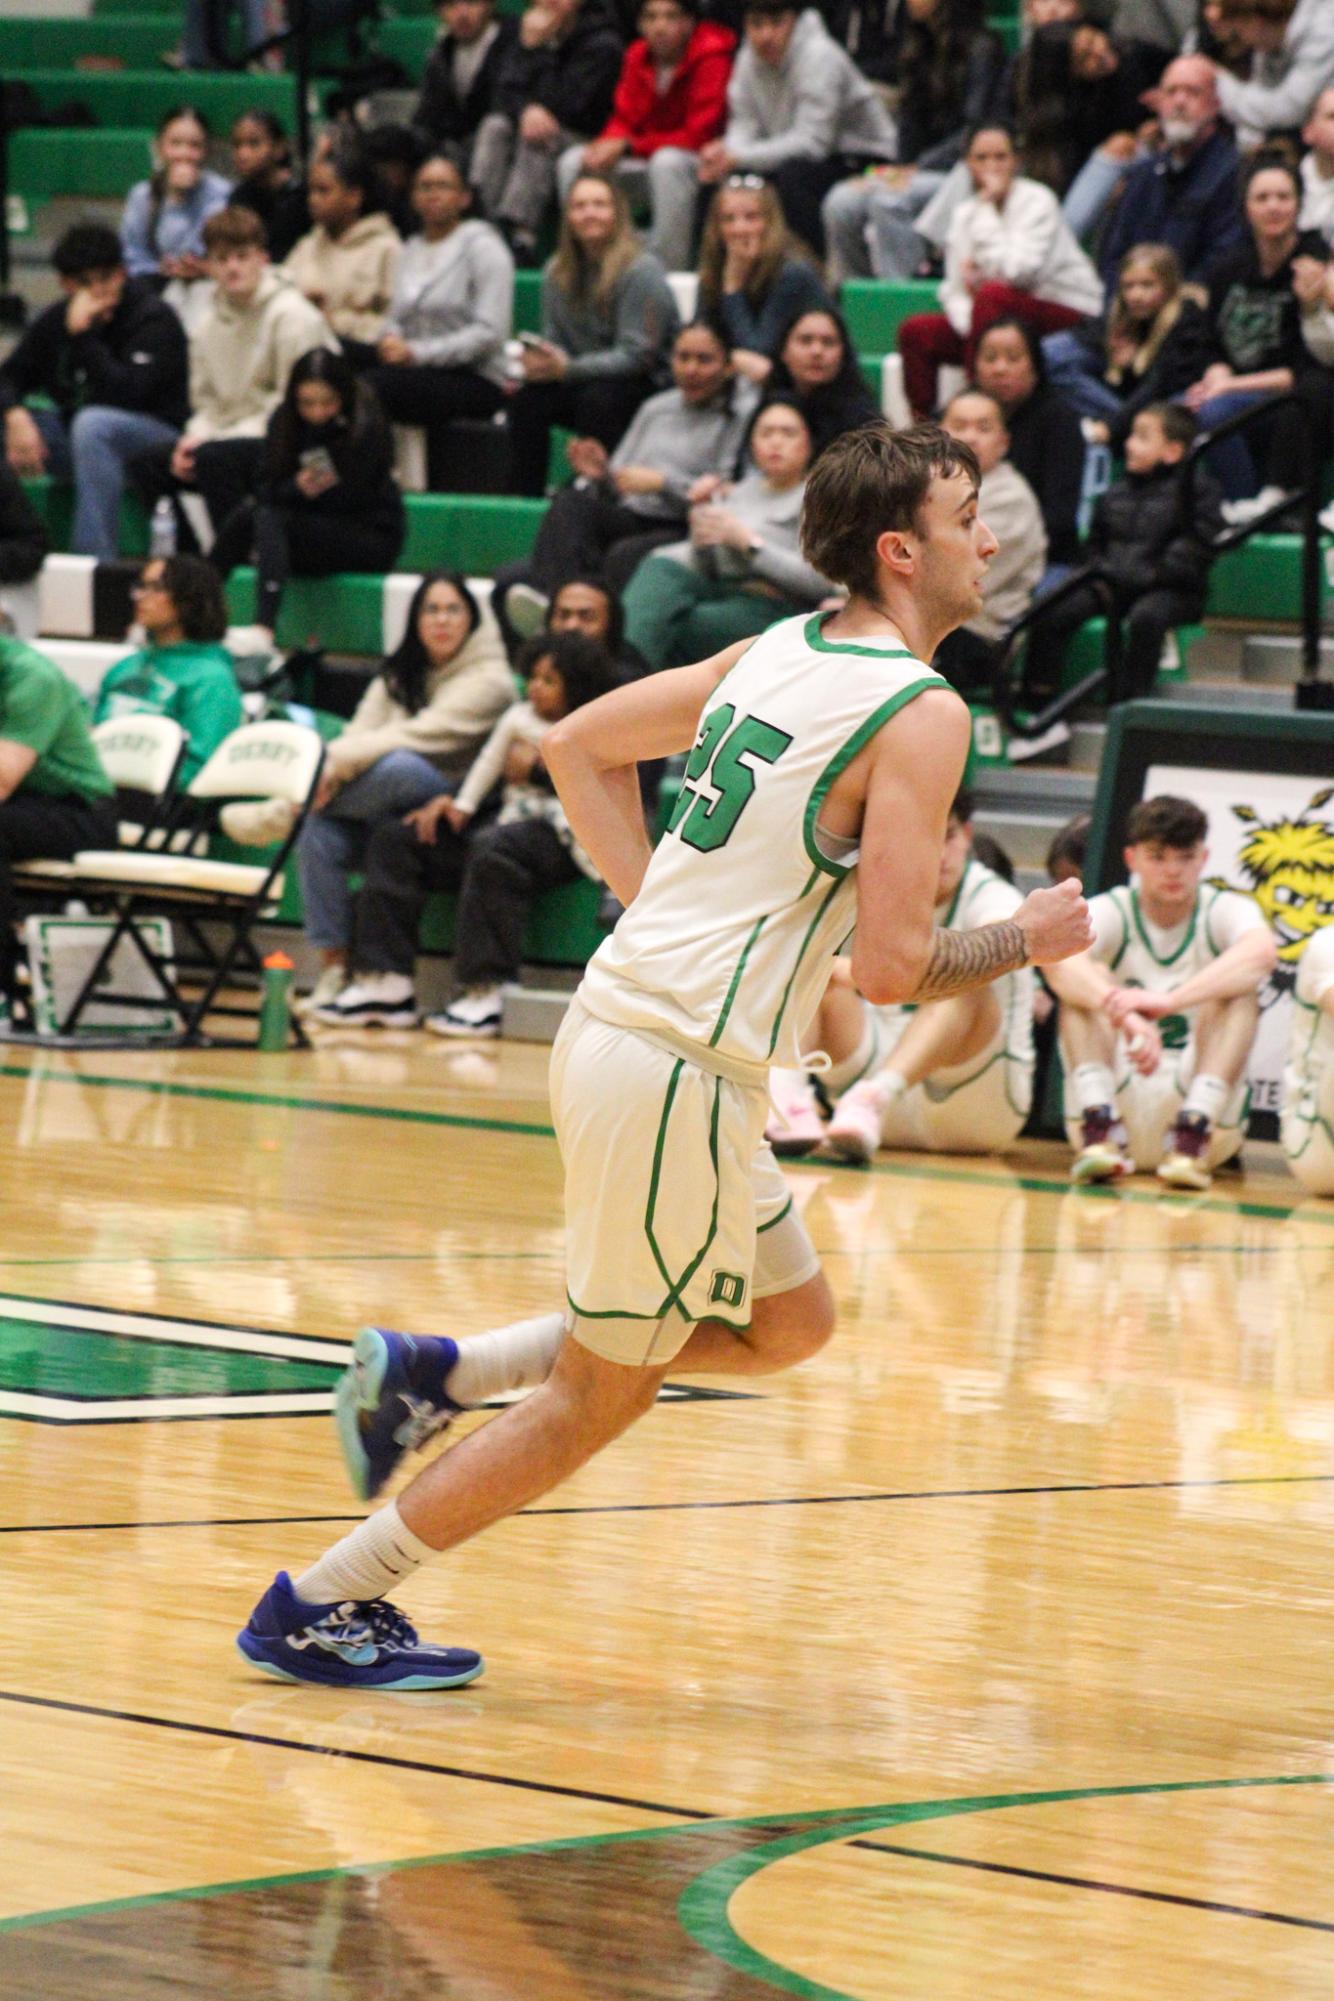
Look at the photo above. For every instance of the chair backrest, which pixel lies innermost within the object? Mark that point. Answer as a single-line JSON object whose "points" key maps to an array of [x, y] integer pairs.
{"points": [[140, 753], [262, 761]]}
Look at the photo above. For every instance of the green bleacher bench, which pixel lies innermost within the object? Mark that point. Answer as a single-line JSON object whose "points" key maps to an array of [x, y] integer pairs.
{"points": [[31, 41], [103, 163], [54, 501], [120, 98], [1260, 580], [876, 308]]}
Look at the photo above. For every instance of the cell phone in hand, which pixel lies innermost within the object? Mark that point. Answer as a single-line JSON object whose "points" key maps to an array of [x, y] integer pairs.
{"points": [[318, 459]]}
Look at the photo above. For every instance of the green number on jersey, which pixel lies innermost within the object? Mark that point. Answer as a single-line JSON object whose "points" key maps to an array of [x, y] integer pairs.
{"points": [[706, 824]]}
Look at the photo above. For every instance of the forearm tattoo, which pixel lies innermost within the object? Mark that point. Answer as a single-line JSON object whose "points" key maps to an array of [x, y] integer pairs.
{"points": [[964, 959]]}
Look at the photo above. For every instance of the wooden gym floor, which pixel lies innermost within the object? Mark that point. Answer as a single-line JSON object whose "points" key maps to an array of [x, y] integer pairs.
{"points": [[991, 1655]]}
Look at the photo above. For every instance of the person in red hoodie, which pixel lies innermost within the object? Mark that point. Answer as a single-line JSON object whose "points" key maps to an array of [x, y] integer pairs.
{"points": [[671, 99]]}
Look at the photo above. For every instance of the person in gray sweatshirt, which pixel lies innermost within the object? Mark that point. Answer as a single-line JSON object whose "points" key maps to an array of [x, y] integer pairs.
{"points": [[799, 112]]}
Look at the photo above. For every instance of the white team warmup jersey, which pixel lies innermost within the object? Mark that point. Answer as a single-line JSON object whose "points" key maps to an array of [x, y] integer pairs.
{"points": [[725, 952], [1308, 1084], [1143, 954]]}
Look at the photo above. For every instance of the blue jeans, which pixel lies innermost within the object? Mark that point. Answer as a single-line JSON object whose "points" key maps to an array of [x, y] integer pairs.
{"points": [[333, 842], [1072, 369], [94, 451], [1232, 463], [1088, 195]]}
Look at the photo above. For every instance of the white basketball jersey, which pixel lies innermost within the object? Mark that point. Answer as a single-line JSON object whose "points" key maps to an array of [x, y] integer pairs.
{"points": [[1143, 954], [1311, 1050], [983, 897], [725, 952]]}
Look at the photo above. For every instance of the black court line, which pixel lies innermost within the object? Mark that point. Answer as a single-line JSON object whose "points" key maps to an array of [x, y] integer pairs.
{"points": [[1091, 1883], [688, 1507], [217, 1730]]}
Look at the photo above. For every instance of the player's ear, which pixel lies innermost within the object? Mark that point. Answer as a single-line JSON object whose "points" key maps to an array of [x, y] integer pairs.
{"points": [[896, 551]]}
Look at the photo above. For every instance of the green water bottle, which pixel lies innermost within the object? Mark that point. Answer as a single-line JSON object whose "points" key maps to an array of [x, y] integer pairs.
{"points": [[275, 1007]]}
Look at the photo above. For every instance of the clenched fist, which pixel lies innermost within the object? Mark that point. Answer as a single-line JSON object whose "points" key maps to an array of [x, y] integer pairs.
{"points": [[1055, 923]]}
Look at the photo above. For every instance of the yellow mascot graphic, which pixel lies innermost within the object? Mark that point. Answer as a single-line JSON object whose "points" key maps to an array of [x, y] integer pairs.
{"points": [[1289, 865]]}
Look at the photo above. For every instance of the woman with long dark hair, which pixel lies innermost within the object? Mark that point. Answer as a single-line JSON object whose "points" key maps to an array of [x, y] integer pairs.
{"points": [[267, 183], [161, 227], [817, 369]]}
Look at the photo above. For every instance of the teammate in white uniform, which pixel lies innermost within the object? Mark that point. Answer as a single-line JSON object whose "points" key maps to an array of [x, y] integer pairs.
{"points": [[953, 1076], [815, 802], [1307, 1129], [1159, 1016]]}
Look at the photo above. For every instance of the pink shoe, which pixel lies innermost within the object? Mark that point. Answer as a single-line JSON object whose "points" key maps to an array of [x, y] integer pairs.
{"points": [[853, 1133], [795, 1126]]}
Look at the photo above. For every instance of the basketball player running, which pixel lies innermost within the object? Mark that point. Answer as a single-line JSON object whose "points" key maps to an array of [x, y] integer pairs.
{"points": [[825, 758]]}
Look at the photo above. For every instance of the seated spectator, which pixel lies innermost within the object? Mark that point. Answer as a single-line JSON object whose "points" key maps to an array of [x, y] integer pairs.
{"points": [[1292, 60], [395, 152], [461, 77], [162, 226], [588, 606], [1148, 555], [499, 867], [267, 182], [742, 567], [241, 358], [111, 357], [23, 546], [347, 263], [799, 111], [1046, 443], [327, 498], [1108, 110], [670, 101], [624, 504], [1008, 505], [1317, 168], [1035, 101], [1150, 346], [554, 90], [817, 370], [1185, 194], [951, 79], [1158, 1017], [55, 798], [750, 281], [207, 41], [608, 323], [182, 670], [1009, 254], [416, 730], [442, 352], [1255, 348]]}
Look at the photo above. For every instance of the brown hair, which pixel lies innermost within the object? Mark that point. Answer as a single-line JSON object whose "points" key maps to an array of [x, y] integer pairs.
{"points": [[1258, 10], [776, 246], [1176, 823], [866, 482], [574, 272], [234, 229]]}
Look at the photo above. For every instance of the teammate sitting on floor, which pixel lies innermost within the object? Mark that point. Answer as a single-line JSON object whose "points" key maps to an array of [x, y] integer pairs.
{"points": [[949, 1076], [1307, 1129], [1158, 1016]]}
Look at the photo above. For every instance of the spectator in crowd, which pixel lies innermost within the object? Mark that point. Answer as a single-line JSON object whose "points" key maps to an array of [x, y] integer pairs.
{"points": [[206, 38], [799, 111], [555, 90], [111, 358], [416, 730], [868, 30], [951, 78], [182, 670], [1149, 550], [1009, 253], [1046, 443], [1166, 24], [751, 282], [162, 226], [1255, 339], [1036, 101], [442, 352], [1158, 1017], [742, 567], [1184, 195], [1292, 60], [241, 359], [671, 101], [1008, 505], [818, 370], [267, 182], [461, 77], [624, 504], [23, 546], [395, 152], [327, 499], [347, 263], [55, 798], [1149, 347], [499, 867], [1317, 168], [584, 604], [608, 323], [1108, 111]]}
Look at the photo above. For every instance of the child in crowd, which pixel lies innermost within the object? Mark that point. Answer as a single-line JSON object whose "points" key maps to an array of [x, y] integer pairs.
{"points": [[1151, 345]]}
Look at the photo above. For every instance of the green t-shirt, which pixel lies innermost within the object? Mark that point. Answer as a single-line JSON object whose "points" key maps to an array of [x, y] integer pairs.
{"points": [[194, 683], [42, 710]]}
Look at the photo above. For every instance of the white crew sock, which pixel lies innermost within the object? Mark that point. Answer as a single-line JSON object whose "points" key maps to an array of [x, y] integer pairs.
{"points": [[378, 1554], [508, 1358], [1208, 1094], [1094, 1085]]}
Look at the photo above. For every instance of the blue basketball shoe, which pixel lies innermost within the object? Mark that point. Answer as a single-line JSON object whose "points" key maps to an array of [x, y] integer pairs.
{"points": [[352, 1645], [390, 1399]]}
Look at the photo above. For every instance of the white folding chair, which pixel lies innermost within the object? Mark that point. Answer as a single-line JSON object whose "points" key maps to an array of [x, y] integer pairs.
{"points": [[140, 754]]}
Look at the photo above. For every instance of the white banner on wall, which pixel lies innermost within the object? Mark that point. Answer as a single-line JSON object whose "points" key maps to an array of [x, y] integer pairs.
{"points": [[1271, 836]]}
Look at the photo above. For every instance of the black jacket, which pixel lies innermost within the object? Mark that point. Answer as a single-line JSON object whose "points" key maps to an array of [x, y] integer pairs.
{"points": [[283, 212], [1047, 447], [1142, 534], [23, 537], [1181, 360], [941, 103], [442, 116], [137, 361], [574, 79], [363, 457], [1255, 322]]}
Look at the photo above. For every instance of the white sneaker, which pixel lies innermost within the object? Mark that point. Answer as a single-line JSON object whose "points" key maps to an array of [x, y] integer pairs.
{"points": [[376, 1000], [1238, 512], [476, 1012], [248, 642], [526, 609], [1020, 747], [853, 1133], [326, 988], [795, 1126], [258, 823]]}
